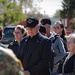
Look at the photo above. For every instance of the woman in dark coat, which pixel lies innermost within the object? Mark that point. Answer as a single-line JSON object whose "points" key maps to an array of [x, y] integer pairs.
{"points": [[69, 63], [19, 32]]}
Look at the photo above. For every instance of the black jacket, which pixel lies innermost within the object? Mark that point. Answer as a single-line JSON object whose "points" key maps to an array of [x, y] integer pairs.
{"points": [[14, 46], [35, 54]]}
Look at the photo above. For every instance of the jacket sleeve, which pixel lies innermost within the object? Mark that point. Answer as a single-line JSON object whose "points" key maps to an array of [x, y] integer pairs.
{"points": [[60, 45], [62, 53], [46, 56]]}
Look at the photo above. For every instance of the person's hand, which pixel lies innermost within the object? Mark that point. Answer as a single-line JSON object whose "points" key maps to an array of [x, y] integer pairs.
{"points": [[27, 73]]}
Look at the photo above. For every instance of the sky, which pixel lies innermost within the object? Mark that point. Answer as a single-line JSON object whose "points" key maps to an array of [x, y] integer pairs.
{"points": [[49, 7]]}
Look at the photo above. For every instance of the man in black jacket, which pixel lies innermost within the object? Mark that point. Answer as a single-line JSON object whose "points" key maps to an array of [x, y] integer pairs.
{"points": [[35, 50]]}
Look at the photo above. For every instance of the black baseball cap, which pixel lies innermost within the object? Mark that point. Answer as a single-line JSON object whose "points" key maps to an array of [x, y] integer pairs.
{"points": [[45, 21], [31, 22]]}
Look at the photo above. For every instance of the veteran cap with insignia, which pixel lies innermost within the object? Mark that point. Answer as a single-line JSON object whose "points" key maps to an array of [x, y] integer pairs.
{"points": [[45, 21], [31, 22]]}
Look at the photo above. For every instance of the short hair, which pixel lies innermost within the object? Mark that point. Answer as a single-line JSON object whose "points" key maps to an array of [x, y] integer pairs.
{"points": [[9, 63], [72, 35]]}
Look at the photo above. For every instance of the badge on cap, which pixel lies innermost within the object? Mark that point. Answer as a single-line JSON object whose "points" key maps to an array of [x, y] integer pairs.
{"points": [[30, 21]]}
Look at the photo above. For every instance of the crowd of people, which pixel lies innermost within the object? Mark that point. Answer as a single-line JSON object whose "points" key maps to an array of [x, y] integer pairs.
{"points": [[39, 49]]}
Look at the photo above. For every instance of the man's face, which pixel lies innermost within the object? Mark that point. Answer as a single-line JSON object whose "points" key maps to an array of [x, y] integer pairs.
{"points": [[47, 28], [32, 31]]}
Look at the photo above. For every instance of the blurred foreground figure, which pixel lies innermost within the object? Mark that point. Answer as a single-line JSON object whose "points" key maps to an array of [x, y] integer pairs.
{"points": [[9, 64]]}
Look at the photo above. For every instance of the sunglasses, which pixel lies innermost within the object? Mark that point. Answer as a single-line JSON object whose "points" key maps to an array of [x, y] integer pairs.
{"points": [[54, 27]]}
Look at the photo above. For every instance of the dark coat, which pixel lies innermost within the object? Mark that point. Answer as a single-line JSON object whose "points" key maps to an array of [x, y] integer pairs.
{"points": [[35, 54], [69, 66], [14, 46]]}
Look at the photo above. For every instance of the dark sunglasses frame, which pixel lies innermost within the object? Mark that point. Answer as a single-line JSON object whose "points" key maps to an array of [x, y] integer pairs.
{"points": [[54, 27], [17, 32]]}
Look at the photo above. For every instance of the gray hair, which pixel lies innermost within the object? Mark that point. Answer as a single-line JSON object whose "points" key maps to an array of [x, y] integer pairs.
{"points": [[72, 35]]}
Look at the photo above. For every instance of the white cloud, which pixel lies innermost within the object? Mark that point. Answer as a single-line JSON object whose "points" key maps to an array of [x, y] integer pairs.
{"points": [[49, 6]]}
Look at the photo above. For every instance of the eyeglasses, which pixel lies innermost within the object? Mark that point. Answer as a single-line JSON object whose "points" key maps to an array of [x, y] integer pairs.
{"points": [[69, 43], [17, 32]]}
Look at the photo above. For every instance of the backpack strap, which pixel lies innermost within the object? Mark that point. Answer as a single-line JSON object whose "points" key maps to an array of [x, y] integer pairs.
{"points": [[53, 41], [55, 37]]}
